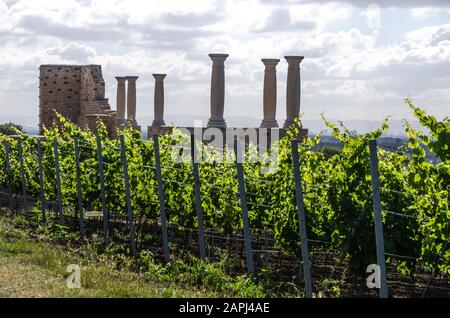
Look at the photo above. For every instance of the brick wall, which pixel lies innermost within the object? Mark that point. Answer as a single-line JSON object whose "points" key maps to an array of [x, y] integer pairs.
{"points": [[75, 91]]}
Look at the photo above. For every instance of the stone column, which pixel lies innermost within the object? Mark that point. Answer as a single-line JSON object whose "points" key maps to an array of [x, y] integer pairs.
{"points": [[159, 100], [217, 91], [131, 98], [293, 89], [120, 102], [270, 93]]}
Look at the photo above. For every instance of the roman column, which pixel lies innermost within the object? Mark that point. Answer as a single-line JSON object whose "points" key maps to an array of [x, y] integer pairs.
{"points": [[120, 102], [270, 93], [293, 89], [217, 90], [159, 100], [131, 98]]}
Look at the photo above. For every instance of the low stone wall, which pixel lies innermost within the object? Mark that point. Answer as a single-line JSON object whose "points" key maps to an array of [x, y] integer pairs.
{"points": [[263, 137]]}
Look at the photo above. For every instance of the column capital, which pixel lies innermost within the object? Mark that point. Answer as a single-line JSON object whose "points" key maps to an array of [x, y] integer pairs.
{"points": [[159, 77], [121, 79], [218, 58], [294, 60], [270, 62], [132, 79]]}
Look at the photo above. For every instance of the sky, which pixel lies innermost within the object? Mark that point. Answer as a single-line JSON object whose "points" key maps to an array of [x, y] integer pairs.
{"points": [[362, 58]]}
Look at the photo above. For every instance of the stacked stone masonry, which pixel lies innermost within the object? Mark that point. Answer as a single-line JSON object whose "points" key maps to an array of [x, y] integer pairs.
{"points": [[75, 91]]}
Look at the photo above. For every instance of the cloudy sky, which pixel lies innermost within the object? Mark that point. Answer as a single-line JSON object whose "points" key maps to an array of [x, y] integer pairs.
{"points": [[362, 58]]}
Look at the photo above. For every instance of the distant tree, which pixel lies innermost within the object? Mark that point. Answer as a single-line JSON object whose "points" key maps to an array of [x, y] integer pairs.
{"points": [[10, 129], [329, 152]]}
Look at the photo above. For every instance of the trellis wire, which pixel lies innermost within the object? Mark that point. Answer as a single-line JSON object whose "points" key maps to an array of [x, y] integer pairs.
{"points": [[261, 205], [176, 182], [258, 180], [401, 214], [173, 168], [320, 241], [401, 256], [403, 193], [176, 146]]}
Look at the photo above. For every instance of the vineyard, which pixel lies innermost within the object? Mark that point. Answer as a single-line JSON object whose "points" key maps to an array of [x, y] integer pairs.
{"points": [[147, 192]]}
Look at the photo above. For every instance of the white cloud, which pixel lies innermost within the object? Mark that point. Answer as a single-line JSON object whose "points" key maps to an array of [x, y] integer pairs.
{"points": [[425, 12], [281, 20], [5, 84], [346, 71], [75, 52], [365, 3]]}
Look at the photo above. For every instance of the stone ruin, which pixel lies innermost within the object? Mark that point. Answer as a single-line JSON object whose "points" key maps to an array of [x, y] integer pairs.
{"points": [[268, 131], [78, 93], [75, 91]]}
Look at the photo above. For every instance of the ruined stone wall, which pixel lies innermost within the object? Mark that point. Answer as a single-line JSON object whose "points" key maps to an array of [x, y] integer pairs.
{"points": [[75, 91], [59, 90], [93, 99]]}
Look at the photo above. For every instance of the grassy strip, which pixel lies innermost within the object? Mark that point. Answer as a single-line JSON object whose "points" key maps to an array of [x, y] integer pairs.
{"points": [[33, 265]]}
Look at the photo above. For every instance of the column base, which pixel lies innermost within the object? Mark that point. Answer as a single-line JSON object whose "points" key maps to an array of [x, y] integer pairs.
{"points": [[159, 122], [131, 121], [120, 121], [217, 122], [289, 123], [271, 123]]}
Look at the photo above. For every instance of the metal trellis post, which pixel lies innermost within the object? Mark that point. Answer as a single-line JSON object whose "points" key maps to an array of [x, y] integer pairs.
{"points": [[161, 199], [302, 221], [128, 196], [41, 180], [266, 248], [22, 176], [378, 218], [198, 202], [8, 175], [79, 191], [102, 189], [243, 200], [58, 181]]}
